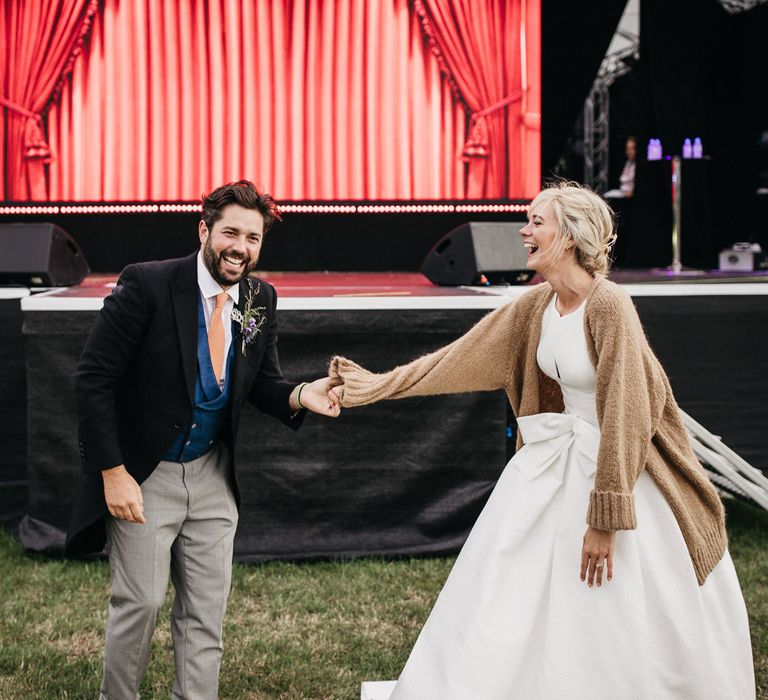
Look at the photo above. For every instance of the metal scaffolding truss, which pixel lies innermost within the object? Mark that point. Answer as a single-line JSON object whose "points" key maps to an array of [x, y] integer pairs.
{"points": [[596, 123], [597, 112]]}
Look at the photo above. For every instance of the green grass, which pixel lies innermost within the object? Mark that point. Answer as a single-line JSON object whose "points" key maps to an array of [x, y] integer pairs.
{"points": [[292, 630], [748, 542]]}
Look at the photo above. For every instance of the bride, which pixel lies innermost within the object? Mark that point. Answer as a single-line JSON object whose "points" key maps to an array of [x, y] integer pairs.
{"points": [[599, 566]]}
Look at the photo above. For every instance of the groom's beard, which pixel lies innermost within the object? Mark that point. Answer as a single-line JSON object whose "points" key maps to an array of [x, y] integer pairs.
{"points": [[219, 269]]}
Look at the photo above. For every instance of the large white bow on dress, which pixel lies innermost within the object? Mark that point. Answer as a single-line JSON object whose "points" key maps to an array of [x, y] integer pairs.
{"points": [[547, 438]]}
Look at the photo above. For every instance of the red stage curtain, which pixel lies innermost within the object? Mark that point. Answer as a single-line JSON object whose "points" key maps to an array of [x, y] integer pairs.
{"points": [[491, 51], [38, 42], [314, 99]]}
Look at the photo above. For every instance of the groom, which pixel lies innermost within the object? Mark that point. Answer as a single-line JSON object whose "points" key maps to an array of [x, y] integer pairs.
{"points": [[177, 349]]}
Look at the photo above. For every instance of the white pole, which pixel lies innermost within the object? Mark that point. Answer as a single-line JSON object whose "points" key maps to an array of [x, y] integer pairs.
{"points": [[676, 265]]}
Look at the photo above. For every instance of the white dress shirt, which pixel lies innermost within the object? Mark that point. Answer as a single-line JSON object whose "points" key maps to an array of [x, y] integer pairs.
{"points": [[627, 178], [209, 289]]}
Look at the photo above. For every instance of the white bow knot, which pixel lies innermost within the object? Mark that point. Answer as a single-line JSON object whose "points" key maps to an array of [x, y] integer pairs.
{"points": [[547, 438]]}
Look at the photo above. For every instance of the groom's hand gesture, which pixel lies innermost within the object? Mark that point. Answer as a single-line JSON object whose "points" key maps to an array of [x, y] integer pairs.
{"points": [[123, 495], [316, 397]]}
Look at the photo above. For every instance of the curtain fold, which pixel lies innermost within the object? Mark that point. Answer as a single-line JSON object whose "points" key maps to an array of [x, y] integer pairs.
{"points": [[39, 42], [490, 49], [313, 99]]}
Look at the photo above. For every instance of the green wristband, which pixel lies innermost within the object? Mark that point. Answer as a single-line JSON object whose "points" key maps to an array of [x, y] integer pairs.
{"points": [[298, 396]]}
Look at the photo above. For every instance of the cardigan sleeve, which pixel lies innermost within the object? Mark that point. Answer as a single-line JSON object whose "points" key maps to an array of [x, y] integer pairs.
{"points": [[629, 398], [478, 361]]}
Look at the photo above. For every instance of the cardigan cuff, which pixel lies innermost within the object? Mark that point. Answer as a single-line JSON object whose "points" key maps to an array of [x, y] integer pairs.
{"points": [[609, 510], [357, 382]]}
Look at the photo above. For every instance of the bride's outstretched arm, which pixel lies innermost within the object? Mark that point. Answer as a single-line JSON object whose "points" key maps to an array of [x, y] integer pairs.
{"points": [[478, 361]]}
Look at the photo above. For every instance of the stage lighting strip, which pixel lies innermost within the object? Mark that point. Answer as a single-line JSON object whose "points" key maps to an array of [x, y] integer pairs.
{"points": [[36, 210]]}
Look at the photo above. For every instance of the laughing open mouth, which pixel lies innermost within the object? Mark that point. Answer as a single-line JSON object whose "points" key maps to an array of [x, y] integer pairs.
{"points": [[235, 262], [532, 248]]}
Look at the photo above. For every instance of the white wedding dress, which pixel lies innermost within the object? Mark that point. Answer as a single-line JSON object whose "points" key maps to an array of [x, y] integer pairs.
{"points": [[515, 621]]}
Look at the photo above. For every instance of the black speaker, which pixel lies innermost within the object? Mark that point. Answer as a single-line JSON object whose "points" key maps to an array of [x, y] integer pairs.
{"points": [[479, 253], [40, 255]]}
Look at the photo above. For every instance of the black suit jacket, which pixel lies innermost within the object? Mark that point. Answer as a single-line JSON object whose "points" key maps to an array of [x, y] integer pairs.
{"points": [[135, 382]]}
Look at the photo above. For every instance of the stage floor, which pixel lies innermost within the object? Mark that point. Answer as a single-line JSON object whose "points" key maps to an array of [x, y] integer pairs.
{"points": [[405, 290]]}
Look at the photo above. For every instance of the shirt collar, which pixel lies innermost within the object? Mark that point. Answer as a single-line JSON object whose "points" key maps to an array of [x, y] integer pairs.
{"points": [[209, 286]]}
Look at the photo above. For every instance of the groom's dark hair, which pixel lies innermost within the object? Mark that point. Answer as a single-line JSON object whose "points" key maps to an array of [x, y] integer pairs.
{"points": [[244, 193]]}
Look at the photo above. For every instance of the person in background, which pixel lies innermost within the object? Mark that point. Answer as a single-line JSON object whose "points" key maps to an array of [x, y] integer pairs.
{"points": [[627, 177]]}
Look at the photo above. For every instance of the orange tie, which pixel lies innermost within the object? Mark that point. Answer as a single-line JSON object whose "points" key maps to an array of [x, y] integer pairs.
{"points": [[216, 336]]}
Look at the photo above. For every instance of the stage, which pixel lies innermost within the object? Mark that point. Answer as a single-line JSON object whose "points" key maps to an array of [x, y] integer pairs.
{"points": [[400, 478]]}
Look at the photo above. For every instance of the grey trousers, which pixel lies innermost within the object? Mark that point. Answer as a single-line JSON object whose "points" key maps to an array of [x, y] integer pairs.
{"points": [[191, 518]]}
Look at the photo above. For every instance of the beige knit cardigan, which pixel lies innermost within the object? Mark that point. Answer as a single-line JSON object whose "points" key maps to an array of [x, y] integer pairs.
{"points": [[640, 425]]}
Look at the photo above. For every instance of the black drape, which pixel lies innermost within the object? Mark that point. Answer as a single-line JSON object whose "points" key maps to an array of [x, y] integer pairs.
{"points": [[13, 415], [574, 39]]}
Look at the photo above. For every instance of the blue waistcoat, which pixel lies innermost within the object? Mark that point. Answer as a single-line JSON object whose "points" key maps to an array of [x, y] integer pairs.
{"points": [[211, 402]]}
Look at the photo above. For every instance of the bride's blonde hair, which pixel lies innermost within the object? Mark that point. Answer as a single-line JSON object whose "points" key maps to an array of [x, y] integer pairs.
{"points": [[584, 217]]}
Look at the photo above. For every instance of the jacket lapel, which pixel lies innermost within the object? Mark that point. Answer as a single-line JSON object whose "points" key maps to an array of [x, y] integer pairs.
{"points": [[184, 292]]}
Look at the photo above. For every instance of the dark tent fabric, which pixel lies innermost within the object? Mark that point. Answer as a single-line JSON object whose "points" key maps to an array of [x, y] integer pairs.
{"points": [[13, 415], [403, 477], [574, 39], [701, 72]]}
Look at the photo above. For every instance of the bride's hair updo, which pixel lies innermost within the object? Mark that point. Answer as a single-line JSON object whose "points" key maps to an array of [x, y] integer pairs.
{"points": [[585, 217]]}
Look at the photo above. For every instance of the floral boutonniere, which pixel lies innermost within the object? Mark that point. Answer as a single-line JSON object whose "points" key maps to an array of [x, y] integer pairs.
{"points": [[251, 318]]}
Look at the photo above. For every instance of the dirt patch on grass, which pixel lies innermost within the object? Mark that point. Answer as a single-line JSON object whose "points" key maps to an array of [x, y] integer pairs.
{"points": [[81, 645]]}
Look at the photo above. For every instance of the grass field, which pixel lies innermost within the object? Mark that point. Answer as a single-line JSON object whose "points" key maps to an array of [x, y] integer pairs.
{"points": [[292, 631]]}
